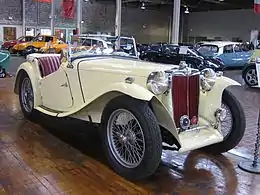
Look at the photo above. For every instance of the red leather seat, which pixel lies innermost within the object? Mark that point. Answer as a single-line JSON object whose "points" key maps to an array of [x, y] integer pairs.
{"points": [[49, 64]]}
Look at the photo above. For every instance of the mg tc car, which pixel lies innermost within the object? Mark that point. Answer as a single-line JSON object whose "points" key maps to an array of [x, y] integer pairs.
{"points": [[142, 107]]}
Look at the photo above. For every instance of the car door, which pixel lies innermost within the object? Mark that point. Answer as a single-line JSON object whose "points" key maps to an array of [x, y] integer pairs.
{"points": [[56, 92], [228, 56], [242, 56]]}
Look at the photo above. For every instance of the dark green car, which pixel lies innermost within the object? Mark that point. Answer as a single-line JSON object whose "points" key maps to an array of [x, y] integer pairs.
{"points": [[4, 62]]}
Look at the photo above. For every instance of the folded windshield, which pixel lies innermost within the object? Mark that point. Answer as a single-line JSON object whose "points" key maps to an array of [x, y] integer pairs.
{"points": [[89, 45]]}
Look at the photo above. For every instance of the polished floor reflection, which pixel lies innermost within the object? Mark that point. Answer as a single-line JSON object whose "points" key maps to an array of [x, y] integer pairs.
{"points": [[64, 156]]}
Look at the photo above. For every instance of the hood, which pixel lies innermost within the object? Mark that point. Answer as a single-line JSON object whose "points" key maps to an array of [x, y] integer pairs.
{"points": [[119, 65]]}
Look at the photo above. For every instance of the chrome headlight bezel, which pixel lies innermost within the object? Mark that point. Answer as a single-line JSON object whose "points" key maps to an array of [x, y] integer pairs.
{"points": [[157, 82], [208, 79]]}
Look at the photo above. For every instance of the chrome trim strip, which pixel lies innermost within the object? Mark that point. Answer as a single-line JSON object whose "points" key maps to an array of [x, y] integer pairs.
{"points": [[193, 129]]}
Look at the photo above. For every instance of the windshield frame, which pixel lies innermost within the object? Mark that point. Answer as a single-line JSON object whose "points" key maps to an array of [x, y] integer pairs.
{"points": [[76, 52]]}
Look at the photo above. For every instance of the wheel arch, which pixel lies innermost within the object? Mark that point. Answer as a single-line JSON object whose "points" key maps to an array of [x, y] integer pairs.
{"points": [[29, 70], [246, 68], [93, 113], [210, 101]]}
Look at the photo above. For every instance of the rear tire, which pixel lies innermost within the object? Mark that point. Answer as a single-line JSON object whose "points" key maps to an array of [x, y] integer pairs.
{"points": [[237, 129], [143, 143], [26, 97]]}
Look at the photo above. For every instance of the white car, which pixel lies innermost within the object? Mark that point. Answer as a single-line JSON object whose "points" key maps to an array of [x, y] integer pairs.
{"points": [[141, 106]]}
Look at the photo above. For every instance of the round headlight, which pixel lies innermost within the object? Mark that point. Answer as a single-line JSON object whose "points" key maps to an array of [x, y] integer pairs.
{"points": [[157, 82], [208, 79]]}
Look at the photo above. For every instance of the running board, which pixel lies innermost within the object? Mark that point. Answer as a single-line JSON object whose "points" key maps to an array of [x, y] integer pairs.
{"points": [[169, 147], [48, 111]]}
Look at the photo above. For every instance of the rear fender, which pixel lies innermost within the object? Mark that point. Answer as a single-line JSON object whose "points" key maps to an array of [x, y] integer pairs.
{"points": [[210, 101], [32, 70]]}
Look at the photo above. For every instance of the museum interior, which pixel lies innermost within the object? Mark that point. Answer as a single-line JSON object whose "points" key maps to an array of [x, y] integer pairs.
{"points": [[119, 97]]}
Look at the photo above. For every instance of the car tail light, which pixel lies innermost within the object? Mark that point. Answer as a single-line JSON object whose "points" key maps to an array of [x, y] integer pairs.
{"points": [[185, 97]]}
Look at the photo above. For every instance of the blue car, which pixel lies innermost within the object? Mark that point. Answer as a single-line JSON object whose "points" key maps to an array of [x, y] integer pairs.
{"points": [[232, 54], [4, 62]]}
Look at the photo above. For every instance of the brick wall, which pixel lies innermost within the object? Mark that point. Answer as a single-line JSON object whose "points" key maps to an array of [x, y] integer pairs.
{"points": [[150, 25]]}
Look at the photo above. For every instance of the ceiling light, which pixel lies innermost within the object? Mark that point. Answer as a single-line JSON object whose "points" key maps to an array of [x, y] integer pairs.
{"points": [[143, 6], [186, 11]]}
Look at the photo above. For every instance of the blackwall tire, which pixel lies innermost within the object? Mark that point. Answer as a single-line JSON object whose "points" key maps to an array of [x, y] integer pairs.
{"points": [[28, 111], [150, 131], [238, 128], [250, 70]]}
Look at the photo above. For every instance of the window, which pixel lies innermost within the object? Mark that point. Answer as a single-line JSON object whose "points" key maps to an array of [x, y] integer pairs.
{"points": [[208, 48], [27, 39], [238, 48], [40, 38], [30, 31], [155, 48], [94, 42], [9, 33], [228, 49], [45, 31], [47, 39], [171, 49], [86, 42]]}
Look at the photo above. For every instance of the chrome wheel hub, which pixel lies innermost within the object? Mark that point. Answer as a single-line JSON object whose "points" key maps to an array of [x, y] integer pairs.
{"points": [[125, 138], [251, 77]]}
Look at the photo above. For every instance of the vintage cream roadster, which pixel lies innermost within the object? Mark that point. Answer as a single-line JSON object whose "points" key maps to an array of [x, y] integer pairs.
{"points": [[141, 107]]}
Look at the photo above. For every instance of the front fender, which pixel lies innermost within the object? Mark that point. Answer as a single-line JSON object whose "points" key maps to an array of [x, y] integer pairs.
{"points": [[133, 90], [210, 101], [31, 69], [110, 92]]}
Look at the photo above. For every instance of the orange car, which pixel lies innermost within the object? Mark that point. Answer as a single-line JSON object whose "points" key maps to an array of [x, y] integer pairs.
{"points": [[56, 47], [37, 43]]}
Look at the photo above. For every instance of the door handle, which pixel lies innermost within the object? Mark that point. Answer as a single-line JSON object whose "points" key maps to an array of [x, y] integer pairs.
{"points": [[64, 85]]}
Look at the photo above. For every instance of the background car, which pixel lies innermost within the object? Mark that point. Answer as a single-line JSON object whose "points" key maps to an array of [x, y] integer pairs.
{"points": [[55, 47], [174, 54], [232, 54], [8, 45], [4, 62], [249, 72], [35, 44]]}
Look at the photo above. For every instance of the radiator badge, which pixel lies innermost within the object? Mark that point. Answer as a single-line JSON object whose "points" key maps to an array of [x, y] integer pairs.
{"points": [[184, 122]]}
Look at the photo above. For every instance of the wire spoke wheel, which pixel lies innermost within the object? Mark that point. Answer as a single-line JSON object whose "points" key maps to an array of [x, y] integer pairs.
{"points": [[126, 138], [27, 95], [227, 122]]}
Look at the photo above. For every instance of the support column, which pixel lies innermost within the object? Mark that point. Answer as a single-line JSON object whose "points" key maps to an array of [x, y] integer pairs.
{"points": [[176, 21], [23, 17], [79, 16], [52, 17], [118, 17]]}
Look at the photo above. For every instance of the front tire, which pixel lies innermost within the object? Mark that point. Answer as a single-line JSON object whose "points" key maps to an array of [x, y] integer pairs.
{"points": [[131, 137], [237, 126], [250, 76], [26, 97]]}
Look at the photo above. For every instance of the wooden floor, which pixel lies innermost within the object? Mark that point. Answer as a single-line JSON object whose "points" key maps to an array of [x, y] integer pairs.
{"points": [[51, 156]]}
